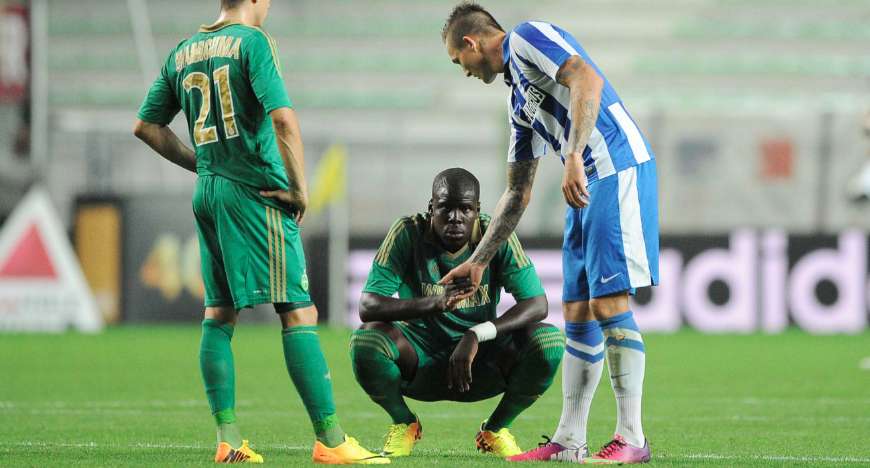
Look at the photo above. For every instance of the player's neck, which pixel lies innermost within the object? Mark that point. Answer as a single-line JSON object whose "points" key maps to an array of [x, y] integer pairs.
{"points": [[238, 15]]}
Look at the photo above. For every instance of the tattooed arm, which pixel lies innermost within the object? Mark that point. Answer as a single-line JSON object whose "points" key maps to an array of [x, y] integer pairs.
{"points": [[585, 85], [510, 208]]}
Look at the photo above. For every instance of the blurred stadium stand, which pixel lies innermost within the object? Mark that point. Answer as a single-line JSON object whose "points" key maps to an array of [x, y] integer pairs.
{"points": [[754, 114], [753, 107]]}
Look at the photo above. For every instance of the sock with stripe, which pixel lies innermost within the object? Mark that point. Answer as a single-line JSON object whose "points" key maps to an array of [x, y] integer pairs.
{"points": [[218, 376], [374, 356], [626, 361], [530, 377], [310, 374], [581, 372]]}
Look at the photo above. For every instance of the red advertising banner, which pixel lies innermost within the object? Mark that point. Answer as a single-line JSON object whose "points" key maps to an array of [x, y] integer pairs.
{"points": [[14, 52]]}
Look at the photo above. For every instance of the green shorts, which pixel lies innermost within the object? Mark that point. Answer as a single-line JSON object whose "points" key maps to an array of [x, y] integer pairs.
{"points": [[488, 377], [250, 248]]}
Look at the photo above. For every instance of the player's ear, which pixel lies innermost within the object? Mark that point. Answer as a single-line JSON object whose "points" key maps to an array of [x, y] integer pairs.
{"points": [[469, 41]]}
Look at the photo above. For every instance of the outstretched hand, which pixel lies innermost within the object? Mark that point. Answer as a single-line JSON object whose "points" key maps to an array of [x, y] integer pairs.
{"points": [[473, 272], [294, 200], [453, 293]]}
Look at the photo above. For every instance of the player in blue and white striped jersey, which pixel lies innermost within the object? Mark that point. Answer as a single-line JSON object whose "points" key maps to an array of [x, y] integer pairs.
{"points": [[560, 99]]}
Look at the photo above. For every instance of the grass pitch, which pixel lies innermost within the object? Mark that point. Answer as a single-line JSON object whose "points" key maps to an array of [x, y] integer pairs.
{"points": [[133, 396]]}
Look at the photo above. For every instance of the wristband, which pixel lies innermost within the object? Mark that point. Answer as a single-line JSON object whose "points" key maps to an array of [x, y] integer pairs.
{"points": [[485, 331]]}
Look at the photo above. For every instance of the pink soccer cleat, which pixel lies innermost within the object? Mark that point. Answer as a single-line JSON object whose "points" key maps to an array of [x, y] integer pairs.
{"points": [[618, 451], [552, 451]]}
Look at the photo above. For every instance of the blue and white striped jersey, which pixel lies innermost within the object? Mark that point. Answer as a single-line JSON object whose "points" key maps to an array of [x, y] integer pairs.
{"points": [[539, 106]]}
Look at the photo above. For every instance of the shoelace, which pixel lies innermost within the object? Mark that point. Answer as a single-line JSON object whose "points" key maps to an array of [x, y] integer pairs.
{"points": [[545, 443], [393, 433], [611, 447]]}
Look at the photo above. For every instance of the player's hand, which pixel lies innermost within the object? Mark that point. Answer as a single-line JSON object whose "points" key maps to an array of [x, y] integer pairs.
{"points": [[574, 182], [459, 370], [452, 293], [470, 270], [297, 201]]}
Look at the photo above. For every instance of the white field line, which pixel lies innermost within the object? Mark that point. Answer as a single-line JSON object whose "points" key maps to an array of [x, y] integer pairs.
{"points": [[141, 445], [774, 458], [51, 410], [434, 452]]}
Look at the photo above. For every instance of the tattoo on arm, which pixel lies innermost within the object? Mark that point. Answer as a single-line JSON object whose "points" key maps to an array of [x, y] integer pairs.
{"points": [[585, 86], [583, 122], [521, 175], [571, 67]]}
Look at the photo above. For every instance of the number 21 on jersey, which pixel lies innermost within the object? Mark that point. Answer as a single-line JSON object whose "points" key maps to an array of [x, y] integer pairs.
{"points": [[203, 135]]}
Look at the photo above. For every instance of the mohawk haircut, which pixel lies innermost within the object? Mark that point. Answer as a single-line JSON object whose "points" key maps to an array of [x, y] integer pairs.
{"points": [[456, 180], [467, 18], [230, 4]]}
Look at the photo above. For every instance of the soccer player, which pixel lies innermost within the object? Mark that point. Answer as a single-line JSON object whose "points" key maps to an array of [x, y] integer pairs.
{"points": [[429, 346], [250, 197], [561, 99]]}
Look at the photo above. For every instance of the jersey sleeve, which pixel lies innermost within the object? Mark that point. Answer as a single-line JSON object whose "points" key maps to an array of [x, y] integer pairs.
{"points": [[160, 105], [264, 70], [520, 145], [542, 46], [391, 261], [518, 275]]}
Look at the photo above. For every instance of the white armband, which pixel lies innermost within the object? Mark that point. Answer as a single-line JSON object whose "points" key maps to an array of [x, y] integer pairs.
{"points": [[485, 331]]}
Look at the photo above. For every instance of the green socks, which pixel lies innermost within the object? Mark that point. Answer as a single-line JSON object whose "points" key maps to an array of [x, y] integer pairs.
{"points": [[307, 368], [531, 376], [218, 375], [374, 356]]}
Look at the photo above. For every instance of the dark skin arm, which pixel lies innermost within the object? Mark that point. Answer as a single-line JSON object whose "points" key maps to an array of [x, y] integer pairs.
{"points": [[524, 313], [378, 308], [166, 143]]}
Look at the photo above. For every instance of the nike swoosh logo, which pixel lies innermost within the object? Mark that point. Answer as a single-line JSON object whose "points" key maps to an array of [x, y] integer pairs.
{"points": [[605, 280]]}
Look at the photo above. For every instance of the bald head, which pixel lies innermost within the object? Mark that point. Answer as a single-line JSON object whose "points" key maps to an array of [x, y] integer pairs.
{"points": [[456, 182]]}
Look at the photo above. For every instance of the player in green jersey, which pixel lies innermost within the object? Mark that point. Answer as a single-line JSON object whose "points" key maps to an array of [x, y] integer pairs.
{"points": [[428, 346], [250, 197]]}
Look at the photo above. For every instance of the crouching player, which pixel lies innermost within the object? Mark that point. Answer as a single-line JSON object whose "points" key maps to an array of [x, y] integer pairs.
{"points": [[429, 346]]}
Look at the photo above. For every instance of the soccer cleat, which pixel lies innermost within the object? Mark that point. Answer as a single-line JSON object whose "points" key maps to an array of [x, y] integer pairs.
{"points": [[618, 451], [244, 454], [501, 443], [400, 439], [552, 451], [349, 452]]}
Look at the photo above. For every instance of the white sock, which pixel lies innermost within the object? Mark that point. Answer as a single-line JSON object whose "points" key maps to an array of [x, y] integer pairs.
{"points": [[580, 377], [626, 362]]}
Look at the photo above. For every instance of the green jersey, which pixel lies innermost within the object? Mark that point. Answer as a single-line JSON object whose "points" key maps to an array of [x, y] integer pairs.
{"points": [[226, 79], [411, 261]]}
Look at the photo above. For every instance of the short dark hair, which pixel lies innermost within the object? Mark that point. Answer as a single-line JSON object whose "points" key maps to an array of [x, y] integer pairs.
{"points": [[456, 180], [467, 18], [230, 4]]}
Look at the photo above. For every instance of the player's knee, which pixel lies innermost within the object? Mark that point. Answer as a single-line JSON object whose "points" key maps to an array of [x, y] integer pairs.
{"points": [[544, 350], [608, 306], [223, 314], [371, 342]]}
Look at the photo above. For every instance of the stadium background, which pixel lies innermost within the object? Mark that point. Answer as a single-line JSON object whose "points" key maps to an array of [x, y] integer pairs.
{"points": [[755, 110]]}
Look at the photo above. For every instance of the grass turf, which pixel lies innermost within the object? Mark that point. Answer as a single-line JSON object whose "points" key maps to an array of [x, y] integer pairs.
{"points": [[133, 396]]}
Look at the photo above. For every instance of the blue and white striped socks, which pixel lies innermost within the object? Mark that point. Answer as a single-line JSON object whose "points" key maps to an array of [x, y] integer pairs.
{"points": [[581, 372], [626, 360]]}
